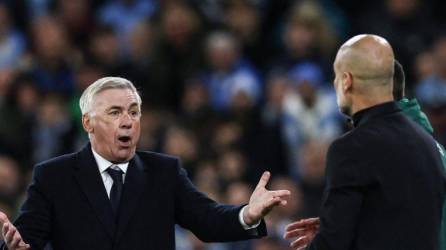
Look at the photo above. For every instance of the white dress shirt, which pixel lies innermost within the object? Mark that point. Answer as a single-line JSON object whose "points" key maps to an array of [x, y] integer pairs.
{"points": [[104, 164]]}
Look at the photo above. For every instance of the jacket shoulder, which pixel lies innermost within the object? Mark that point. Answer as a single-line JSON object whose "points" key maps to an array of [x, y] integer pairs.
{"points": [[57, 163], [158, 160]]}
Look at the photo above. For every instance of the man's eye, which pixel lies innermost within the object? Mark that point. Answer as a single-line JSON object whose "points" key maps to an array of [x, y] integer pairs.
{"points": [[114, 113]]}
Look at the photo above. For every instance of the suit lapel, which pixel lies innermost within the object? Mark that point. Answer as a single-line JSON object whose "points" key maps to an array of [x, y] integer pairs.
{"points": [[90, 182], [136, 181]]}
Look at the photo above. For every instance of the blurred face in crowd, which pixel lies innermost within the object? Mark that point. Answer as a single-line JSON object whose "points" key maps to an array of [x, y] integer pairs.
{"points": [[49, 38], [440, 56], [222, 52], [402, 8], [114, 124]]}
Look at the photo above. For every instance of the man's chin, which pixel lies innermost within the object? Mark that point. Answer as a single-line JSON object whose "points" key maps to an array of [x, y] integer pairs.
{"points": [[124, 155]]}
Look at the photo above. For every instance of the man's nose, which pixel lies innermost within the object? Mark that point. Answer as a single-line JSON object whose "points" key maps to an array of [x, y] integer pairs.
{"points": [[126, 121]]}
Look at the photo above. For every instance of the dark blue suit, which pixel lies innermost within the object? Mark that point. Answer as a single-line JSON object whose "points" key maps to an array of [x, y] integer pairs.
{"points": [[67, 205]]}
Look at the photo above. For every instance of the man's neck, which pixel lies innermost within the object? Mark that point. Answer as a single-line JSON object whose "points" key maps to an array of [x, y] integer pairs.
{"points": [[366, 102]]}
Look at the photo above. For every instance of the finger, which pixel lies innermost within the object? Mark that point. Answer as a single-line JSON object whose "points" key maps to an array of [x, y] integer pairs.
{"points": [[300, 242], [280, 193], [295, 233], [264, 179], [16, 239], [24, 247], [300, 224], [303, 223], [283, 202], [312, 221], [272, 203], [9, 233], [3, 218], [301, 248]]}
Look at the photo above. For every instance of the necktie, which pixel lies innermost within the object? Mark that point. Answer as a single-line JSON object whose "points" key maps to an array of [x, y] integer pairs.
{"points": [[116, 190]]}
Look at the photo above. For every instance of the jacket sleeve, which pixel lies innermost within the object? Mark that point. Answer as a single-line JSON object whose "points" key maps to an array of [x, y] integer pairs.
{"points": [[33, 221], [342, 200], [207, 219]]}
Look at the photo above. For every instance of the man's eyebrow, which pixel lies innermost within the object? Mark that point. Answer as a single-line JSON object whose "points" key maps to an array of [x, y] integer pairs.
{"points": [[114, 107]]}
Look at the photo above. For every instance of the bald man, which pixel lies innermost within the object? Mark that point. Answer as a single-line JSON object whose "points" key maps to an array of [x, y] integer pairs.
{"points": [[384, 185]]}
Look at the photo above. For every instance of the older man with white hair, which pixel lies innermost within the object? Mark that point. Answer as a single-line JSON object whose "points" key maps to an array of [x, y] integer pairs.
{"points": [[110, 196]]}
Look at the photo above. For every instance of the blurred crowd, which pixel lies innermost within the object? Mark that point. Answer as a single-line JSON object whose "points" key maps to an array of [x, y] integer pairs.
{"points": [[232, 87]]}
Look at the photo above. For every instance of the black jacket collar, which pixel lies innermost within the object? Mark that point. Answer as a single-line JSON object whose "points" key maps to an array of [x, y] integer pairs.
{"points": [[363, 116]]}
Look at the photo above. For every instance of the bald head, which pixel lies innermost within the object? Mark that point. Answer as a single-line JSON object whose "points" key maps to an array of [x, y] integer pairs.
{"points": [[364, 69], [369, 58]]}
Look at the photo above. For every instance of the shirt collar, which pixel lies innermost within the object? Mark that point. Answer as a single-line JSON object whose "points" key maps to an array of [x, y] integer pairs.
{"points": [[365, 115], [103, 164]]}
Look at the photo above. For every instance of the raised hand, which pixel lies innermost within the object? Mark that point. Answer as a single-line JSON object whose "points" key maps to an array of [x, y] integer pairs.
{"points": [[262, 201], [11, 235], [304, 230]]}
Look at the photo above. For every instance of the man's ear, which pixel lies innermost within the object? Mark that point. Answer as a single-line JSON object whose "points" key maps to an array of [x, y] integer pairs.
{"points": [[86, 123], [347, 82]]}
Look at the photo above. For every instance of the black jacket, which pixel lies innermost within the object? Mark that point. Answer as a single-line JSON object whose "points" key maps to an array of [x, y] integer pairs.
{"points": [[67, 205], [384, 186]]}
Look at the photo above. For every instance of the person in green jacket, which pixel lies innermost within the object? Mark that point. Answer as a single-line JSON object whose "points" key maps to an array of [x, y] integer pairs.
{"points": [[412, 109]]}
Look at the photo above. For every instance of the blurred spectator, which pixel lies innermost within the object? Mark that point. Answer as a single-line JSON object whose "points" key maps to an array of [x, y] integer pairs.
{"points": [[408, 26], [76, 16], [141, 66], [312, 162], [151, 130], [104, 51], [195, 102], [307, 37], [227, 134], [262, 139], [84, 76], [283, 215], [243, 20], [51, 68], [230, 79], [6, 80], [270, 243], [424, 66], [431, 92], [9, 180], [12, 42], [178, 56], [310, 111], [232, 166], [124, 15], [19, 110], [53, 133], [182, 143], [207, 179]]}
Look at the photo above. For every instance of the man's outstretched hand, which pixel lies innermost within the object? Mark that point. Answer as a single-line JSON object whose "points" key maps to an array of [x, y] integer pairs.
{"points": [[262, 201], [11, 235], [304, 230]]}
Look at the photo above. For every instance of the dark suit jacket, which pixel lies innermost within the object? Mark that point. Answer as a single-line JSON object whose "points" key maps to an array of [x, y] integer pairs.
{"points": [[67, 205], [384, 186]]}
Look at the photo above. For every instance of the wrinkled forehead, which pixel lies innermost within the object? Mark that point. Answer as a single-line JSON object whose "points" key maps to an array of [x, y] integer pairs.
{"points": [[120, 97]]}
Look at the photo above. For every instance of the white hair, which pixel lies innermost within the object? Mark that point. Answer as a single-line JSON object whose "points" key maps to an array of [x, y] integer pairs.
{"points": [[87, 98]]}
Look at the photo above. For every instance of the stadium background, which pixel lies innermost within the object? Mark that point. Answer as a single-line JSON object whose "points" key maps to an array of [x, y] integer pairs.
{"points": [[233, 87]]}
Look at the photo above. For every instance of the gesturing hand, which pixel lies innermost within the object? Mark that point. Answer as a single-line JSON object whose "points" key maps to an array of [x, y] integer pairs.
{"points": [[304, 230], [11, 235], [263, 200]]}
